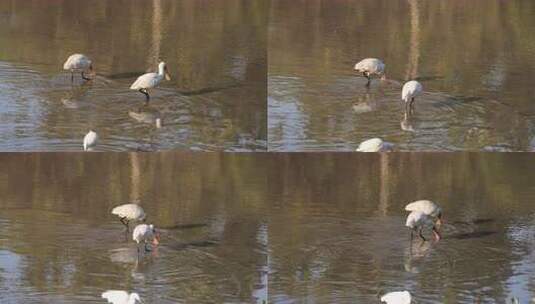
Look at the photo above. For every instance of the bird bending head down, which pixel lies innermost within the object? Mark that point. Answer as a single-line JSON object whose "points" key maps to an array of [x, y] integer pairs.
{"points": [[369, 67]]}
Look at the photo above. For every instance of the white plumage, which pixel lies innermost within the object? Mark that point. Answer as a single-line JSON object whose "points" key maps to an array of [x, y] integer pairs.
{"points": [[426, 206], [78, 63], [397, 297], [418, 219], [129, 212], [410, 90], [144, 233], [374, 145], [369, 67], [424, 213], [90, 140], [150, 80], [121, 297]]}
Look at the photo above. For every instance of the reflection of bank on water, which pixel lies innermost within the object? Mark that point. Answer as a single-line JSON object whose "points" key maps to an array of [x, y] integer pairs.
{"points": [[474, 68], [216, 100], [325, 227]]}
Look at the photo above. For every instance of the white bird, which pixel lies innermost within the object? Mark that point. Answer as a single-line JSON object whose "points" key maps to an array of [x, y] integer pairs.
{"points": [[410, 90], [144, 233], [121, 297], [397, 297], [416, 221], [426, 206], [129, 212], [78, 63], [375, 145], [432, 214], [150, 80], [369, 67], [90, 140]]}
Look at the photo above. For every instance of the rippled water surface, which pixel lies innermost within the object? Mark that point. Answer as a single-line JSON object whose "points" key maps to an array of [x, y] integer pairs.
{"points": [[216, 55], [59, 244], [315, 228], [475, 60]]}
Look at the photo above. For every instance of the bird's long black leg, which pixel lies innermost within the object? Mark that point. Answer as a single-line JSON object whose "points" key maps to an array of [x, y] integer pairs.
{"points": [[368, 78], [125, 222], [85, 78], [144, 92], [72, 77], [412, 105], [412, 236], [421, 235]]}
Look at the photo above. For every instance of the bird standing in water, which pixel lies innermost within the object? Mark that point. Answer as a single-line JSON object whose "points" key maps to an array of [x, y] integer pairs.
{"points": [[78, 63], [409, 92], [369, 67], [90, 140], [144, 233], [149, 81], [129, 212], [424, 213]]}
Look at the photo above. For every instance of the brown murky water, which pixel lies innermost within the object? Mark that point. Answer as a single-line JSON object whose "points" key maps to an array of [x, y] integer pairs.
{"points": [[294, 228], [59, 244], [475, 60], [215, 51]]}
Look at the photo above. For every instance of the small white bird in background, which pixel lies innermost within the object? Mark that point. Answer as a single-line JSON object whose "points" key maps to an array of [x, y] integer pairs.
{"points": [[121, 297], [397, 297], [90, 140], [409, 92], [78, 63], [149, 81], [424, 213], [369, 67], [375, 145], [144, 233], [129, 212]]}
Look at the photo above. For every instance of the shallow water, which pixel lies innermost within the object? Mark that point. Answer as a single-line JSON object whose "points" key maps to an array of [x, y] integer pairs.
{"points": [[337, 228], [215, 52], [475, 60], [59, 244], [316, 228]]}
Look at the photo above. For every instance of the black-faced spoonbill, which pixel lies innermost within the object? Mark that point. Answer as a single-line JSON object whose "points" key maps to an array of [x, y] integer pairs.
{"points": [[149, 81], [129, 212], [78, 63], [369, 67], [397, 297], [409, 92], [375, 145], [90, 140], [144, 233], [431, 214], [121, 297]]}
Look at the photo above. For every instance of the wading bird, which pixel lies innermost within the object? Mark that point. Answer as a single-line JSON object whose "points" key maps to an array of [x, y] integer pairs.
{"points": [[409, 92], [90, 140], [397, 297], [149, 81], [121, 297], [424, 213], [369, 67], [78, 63], [144, 233], [375, 145], [129, 212]]}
